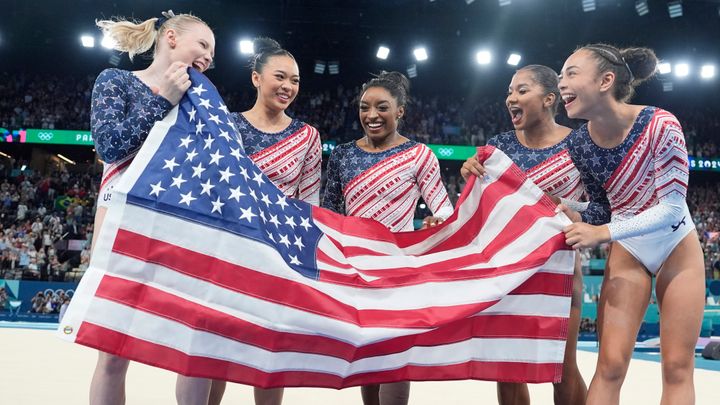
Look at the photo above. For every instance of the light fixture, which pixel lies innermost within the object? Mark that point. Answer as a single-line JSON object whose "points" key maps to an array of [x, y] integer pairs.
{"points": [[246, 47], [682, 70], [383, 52], [412, 71], [664, 68], [641, 7], [420, 54], [483, 57], [589, 5], [707, 71], [514, 59], [334, 67], [319, 67], [675, 9], [108, 42], [88, 41]]}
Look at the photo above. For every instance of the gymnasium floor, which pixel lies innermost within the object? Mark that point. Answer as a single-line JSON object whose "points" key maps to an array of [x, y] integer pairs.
{"points": [[37, 368]]}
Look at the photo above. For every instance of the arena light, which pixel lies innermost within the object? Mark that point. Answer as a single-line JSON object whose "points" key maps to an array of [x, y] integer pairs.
{"points": [[108, 42], [87, 41], [642, 8], [667, 86], [483, 57], [246, 47], [66, 159], [664, 68], [504, 3], [589, 5], [319, 67], [420, 54], [23, 167], [5, 155], [675, 9], [114, 59], [412, 71], [707, 71], [383, 52], [334, 67], [682, 70], [514, 59]]}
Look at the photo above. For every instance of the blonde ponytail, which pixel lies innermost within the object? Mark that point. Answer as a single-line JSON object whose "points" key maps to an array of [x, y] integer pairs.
{"points": [[139, 37]]}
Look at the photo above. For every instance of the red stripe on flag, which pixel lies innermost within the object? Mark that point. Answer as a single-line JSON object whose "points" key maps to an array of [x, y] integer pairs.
{"points": [[450, 269], [174, 360], [157, 302], [280, 290]]}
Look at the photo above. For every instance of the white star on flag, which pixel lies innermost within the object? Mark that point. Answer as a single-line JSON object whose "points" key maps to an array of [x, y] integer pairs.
{"points": [[225, 135], [298, 242], [205, 103], [305, 223], [199, 127], [217, 205], [214, 118], [208, 142], [191, 155], [274, 220], [198, 90], [247, 214], [258, 178], [215, 157], [226, 174], [235, 152], [281, 202], [284, 240], [197, 170], [170, 164], [235, 193], [185, 142], [178, 181], [206, 187], [156, 188], [187, 198]]}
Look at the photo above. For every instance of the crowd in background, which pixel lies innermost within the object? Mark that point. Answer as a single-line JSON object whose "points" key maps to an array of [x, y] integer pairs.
{"points": [[39, 209]]}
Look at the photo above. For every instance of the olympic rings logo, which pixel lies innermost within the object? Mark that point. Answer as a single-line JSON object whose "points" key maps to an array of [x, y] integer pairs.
{"points": [[445, 152], [68, 293], [45, 136]]}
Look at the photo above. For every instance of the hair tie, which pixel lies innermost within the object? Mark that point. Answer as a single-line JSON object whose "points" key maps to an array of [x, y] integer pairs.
{"points": [[165, 15], [632, 77]]}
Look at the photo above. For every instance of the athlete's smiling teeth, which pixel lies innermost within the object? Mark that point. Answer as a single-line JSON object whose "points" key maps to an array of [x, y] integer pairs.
{"points": [[374, 125], [569, 98]]}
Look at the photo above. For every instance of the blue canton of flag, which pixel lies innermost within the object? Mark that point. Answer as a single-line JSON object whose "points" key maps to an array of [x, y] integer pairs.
{"points": [[201, 173]]}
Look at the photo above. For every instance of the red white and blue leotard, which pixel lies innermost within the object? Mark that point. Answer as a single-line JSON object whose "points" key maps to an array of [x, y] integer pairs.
{"points": [[643, 180], [385, 185], [550, 168], [290, 158]]}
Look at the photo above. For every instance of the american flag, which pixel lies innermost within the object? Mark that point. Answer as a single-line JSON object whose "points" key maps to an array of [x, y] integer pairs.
{"points": [[204, 268]]}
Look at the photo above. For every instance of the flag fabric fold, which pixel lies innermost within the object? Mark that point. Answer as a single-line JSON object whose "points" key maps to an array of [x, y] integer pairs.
{"points": [[203, 267]]}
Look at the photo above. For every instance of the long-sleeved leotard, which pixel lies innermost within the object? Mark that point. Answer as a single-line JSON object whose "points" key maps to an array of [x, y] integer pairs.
{"points": [[290, 158], [385, 185]]}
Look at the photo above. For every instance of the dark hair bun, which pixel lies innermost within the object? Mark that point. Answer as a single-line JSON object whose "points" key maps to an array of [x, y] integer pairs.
{"points": [[642, 62], [264, 44], [396, 78]]}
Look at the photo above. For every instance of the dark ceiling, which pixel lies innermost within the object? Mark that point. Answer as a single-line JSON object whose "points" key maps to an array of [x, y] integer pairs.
{"points": [[42, 35]]}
